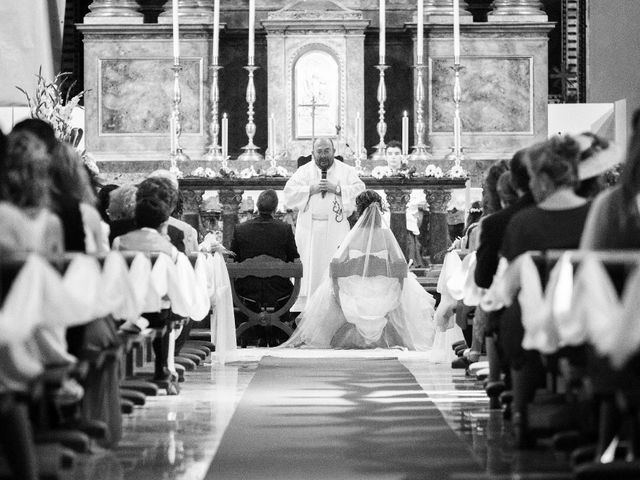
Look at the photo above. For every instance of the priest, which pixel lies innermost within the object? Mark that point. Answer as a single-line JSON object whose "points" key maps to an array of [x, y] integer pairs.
{"points": [[323, 192]]}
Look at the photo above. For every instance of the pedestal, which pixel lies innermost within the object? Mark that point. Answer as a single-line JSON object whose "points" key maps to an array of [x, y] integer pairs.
{"points": [[114, 12], [191, 11], [230, 200], [398, 199], [517, 11], [438, 198], [441, 11]]}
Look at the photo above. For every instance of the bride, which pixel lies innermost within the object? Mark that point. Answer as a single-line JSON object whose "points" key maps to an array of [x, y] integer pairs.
{"points": [[369, 299]]}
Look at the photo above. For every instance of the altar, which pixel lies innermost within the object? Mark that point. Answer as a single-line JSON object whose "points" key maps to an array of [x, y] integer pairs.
{"points": [[398, 189]]}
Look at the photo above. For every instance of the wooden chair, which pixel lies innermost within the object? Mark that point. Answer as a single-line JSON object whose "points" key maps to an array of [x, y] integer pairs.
{"points": [[264, 266]]}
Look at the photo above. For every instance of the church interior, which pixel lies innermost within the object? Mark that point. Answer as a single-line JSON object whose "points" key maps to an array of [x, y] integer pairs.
{"points": [[313, 239]]}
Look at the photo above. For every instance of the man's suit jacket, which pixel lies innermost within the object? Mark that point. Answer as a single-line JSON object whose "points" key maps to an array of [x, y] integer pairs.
{"points": [[492, 232], [264, 235]]}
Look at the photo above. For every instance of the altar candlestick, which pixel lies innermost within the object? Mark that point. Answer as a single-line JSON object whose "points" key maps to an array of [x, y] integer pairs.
{"points": [[176, 33], [456, 32], [405, 134], [216, 30], [272, 135], [382, 31], [225, 137], [172, 134], [420, 39], [252, 41]]}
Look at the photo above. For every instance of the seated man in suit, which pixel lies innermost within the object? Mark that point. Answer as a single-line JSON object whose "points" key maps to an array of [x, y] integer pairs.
{"points": [[264, 235]]}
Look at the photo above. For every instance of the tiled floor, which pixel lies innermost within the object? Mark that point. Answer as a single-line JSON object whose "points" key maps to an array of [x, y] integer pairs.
{"points": [[176, 437]]}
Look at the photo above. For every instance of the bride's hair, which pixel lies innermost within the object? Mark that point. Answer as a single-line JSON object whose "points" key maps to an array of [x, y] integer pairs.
{"points": [[365, 199]]}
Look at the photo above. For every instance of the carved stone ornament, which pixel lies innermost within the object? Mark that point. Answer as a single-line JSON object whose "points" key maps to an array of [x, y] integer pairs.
{"points": [[438, 199], [397, 199], [315, 10], [230, 201], [192, 200]]}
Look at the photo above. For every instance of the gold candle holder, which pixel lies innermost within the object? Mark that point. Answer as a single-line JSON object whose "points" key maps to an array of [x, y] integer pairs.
{"points": [[250, 150], [420, 149], [457, 151], [214, 153], [177, 155], [380, 153]]}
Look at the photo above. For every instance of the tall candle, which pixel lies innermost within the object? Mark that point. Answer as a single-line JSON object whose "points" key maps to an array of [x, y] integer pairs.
{"points": [[356, 147], [405, 133], [271, 135], [176, 33], [252, 39], [225, 136], [456, 32], [216, 31], [383, 22], [420, 39], [467, 196]]}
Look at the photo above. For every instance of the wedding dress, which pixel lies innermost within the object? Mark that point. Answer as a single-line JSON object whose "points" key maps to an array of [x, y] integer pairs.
{"points": [[368, 298]]}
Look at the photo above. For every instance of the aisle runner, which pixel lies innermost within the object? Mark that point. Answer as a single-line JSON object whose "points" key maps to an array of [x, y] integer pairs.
{"points": [[338, 418]]}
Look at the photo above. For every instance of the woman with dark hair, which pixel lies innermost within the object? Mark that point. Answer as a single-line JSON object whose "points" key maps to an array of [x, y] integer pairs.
{"points": [[490, 197], [27, 222], [73, 199], [368, 299], [614, 218], [555, 222]]}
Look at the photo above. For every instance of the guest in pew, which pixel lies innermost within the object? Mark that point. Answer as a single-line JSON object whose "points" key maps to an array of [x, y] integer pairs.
{"points": [[490, 197], [598, 157], [28, 223], [264, 235], [183, 236], [74, 201], [487, 258], [155, 200], [122, 211], [104, 200], [505, 190], [614, 218], [555, 222]]}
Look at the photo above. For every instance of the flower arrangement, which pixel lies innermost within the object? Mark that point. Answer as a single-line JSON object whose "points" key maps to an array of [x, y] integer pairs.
{"points": [[386, 171], [52, 103], [433, 171], [249, 172], [457, 172]]}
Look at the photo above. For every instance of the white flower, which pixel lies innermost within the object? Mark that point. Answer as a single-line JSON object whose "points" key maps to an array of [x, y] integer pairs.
{"points": [[433, 171], [457, 172], [198, 172], [248, 172], [381, 172]]}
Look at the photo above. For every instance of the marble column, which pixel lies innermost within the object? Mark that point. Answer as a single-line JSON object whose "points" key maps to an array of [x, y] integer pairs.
{"points": [[191, 11], [114, 11], [517, 11], [191, 202], [438, 198], [398, 199], [230, 199]]}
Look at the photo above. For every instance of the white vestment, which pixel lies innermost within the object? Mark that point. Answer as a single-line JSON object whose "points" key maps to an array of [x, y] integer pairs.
{"points": [[322, 222]]}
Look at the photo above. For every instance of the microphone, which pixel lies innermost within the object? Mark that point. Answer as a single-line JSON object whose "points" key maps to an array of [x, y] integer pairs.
{"points": [[324, 177]]}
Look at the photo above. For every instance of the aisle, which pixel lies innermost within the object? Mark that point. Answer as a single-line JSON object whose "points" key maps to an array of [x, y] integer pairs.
{"points": [[338, 418]]}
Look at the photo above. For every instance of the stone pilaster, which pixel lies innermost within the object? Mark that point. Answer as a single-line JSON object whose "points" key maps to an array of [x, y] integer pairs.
{"points": [[191, 203], [230, 199], [114, 11], [190, 11], [517, 11], [441, 11], [398, 199], [438, 198]]}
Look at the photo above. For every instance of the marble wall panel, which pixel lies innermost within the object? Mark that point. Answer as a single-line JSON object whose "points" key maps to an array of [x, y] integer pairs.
{"points": [[136, 96], [496, 98]]}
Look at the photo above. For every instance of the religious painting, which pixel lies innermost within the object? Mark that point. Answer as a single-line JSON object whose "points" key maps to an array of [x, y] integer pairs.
{"points": [[136, 96], [316, 95], [497, 95]]}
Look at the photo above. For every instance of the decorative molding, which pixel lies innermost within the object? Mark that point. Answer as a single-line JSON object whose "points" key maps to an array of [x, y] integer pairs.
{"points": [[398, 198]]}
